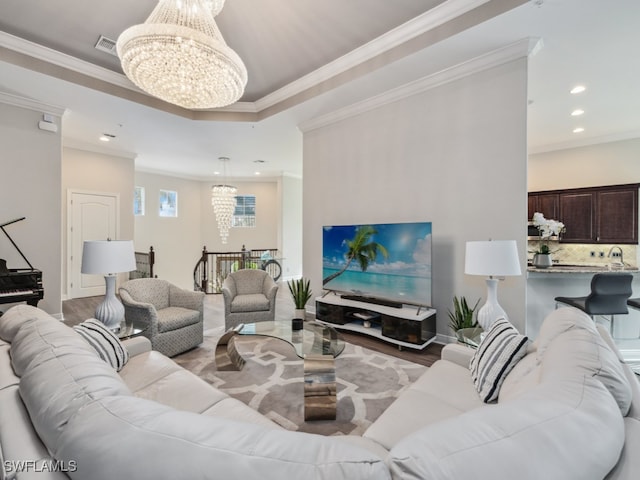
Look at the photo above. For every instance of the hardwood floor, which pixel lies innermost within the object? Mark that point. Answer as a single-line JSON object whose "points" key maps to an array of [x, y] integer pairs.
{"points": [[77, 310]]}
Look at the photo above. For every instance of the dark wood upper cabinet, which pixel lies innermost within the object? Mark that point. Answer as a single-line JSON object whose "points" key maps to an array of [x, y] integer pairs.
{"points": [[592, 215], [545, 203], [577, 212], [617, 214]]}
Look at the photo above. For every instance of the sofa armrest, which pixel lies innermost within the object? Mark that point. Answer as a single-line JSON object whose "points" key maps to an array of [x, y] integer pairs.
{"points": [[271, 294], [458, 354], [179, 297], [137, 345], [227, 296]]}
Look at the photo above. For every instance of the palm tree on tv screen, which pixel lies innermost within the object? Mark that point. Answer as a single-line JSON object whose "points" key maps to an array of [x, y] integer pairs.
{"points": [[362, 249]]}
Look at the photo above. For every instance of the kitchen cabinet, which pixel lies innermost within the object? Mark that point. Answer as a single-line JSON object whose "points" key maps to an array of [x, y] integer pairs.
{"points": [[545, 203], [606, 215], [617, 216], [577, 212]]}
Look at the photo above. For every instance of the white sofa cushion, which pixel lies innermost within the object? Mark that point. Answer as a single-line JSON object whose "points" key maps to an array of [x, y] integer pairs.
{"points": [[569, 428], [570, 343], [445, 390], [38, 339], [106, 343], [16, 317], [7, 375], [188, 445], [497, 354]]}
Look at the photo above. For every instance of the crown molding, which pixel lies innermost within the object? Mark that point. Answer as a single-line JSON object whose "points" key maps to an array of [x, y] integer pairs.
{"points": [[31, 104], [63, 60], [519, 49], [429, 20]]}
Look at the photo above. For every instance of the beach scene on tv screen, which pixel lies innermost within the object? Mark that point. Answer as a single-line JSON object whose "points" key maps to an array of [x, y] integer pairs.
{"points": [[390, 261]]}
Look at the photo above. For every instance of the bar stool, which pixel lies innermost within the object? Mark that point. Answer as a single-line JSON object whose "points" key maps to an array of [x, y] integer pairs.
{"points": [[634, 303], [609, 295]]}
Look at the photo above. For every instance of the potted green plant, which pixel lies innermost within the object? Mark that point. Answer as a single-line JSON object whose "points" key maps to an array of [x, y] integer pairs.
{"points": [[461, 320], [301, 293]]}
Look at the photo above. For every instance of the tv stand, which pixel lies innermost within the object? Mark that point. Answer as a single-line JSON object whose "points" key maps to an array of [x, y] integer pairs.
{"points": [[374, 300], [405, 326]]}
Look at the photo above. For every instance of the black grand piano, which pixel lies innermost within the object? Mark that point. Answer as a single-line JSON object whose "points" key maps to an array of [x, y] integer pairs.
{"points": [[19, 284]]}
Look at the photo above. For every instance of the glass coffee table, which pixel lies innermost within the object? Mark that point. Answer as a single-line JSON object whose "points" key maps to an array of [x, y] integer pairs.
{"points": [[317, 344]]}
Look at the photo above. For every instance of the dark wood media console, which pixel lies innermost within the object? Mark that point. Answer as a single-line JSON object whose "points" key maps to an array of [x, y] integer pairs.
{"points": [[408, 326]]}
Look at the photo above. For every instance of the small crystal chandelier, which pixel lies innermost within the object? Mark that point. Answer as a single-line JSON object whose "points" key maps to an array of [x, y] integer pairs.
{"points": [[223, 199], [179, 56]]}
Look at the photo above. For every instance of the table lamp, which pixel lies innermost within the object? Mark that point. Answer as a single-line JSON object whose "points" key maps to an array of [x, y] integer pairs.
{"points": [[497, 258], [108, 258]]}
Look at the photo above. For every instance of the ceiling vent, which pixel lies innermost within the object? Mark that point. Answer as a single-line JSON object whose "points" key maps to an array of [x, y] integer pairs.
{"points": [[105, 44]]}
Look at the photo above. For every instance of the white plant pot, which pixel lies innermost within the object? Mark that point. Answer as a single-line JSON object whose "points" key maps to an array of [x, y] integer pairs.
{"points": [[299, 313]]}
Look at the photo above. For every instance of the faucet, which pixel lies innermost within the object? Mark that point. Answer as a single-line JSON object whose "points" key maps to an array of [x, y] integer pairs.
{"points": [[621, 262]]}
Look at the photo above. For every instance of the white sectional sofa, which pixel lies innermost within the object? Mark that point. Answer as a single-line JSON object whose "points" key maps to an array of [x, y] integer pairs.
{"points": [[568, 409]]}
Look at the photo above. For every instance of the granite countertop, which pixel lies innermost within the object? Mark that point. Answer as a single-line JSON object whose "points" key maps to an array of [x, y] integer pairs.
{"points": [[584, 268]]}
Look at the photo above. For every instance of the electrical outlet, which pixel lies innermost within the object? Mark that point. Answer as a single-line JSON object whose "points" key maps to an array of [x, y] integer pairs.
{"points": [[601, 254], [593, 254]]}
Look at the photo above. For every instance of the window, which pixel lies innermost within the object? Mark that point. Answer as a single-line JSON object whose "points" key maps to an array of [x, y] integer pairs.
{"points": [[168, 203], [138, 201], [245, 212]]}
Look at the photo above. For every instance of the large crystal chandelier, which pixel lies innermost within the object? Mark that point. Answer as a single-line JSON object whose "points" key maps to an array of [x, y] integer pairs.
{"points": [[223, 199], [179, 56]]}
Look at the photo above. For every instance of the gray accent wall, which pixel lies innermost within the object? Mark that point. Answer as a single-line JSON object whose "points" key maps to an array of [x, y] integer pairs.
{"points": [[455, 155]]}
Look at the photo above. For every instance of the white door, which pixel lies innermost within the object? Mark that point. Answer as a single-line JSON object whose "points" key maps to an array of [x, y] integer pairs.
{"points": [[91, 216]]}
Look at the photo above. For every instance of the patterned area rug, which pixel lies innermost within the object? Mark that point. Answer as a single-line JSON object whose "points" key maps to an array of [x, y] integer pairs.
{"points": [[271, 382]]}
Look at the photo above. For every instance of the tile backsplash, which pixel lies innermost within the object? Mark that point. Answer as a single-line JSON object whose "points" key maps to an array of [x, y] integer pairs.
{"points": [[575, 253]]}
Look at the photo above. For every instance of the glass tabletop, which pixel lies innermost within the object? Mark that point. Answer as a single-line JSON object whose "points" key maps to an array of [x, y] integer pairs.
{"points": [[312, 339], [470, 336], [128, 330]]}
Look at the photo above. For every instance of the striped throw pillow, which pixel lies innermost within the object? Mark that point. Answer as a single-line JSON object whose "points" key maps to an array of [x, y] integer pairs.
{"points": [[106, 343], [496, 355]]}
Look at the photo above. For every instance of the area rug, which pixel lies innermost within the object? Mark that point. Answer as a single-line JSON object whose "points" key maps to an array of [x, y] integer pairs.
{"points": [[271, 382]]}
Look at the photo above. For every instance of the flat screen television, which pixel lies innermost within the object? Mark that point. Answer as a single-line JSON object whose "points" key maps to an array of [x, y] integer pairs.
{"points": [[389, 261]]}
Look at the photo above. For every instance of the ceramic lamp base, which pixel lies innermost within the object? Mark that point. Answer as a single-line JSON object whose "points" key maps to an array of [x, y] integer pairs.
{"points": [[491, 310], [110, 311]]}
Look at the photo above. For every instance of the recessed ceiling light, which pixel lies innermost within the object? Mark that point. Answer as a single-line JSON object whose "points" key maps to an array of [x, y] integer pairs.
{"points": [[257, 173], [577, 112], [104, 138], [578, 89], [578, 130], [216, 173]]}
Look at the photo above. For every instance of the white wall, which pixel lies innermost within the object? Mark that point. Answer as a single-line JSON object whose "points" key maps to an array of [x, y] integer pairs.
{"points": [[31, 188], [177, 241], [264, 235], [454, 155], [99, 173], [612, 163]]}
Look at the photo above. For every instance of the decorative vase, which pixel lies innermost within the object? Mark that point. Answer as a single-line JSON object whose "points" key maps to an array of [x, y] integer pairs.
{"points": [[542, 260], [296, 324]]}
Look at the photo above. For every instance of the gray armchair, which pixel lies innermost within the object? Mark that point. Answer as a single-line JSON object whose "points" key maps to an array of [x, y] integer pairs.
{"points": [[173, 317], [249, 297]]}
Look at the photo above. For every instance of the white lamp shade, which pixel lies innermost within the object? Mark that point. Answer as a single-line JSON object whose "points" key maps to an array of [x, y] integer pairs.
{"points": [[492, 258], [108, 256]]}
